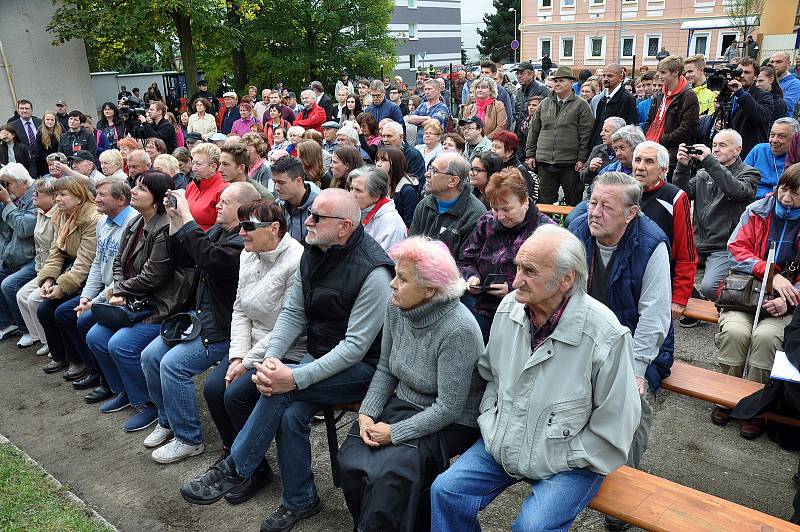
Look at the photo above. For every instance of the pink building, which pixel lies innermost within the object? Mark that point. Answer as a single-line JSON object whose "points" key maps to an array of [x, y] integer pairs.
{"points": [[586, 33]]}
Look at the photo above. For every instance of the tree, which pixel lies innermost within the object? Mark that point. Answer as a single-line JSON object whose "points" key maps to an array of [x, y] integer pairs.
{"points": [[744, 14], [463, 54], [499, 32]]}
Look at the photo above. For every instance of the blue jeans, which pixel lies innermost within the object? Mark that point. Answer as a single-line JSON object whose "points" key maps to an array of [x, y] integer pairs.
{"points": [[229, 405], [285, 418], [475, 479], [12, 282], [73, 338], [118, 353], [169, 371]]}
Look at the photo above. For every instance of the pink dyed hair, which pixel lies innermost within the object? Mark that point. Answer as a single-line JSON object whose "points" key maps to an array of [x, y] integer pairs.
{"points": [[433, 266]]}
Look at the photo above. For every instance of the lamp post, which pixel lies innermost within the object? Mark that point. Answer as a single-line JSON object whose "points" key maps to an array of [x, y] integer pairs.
{"points": [[514, 9]]}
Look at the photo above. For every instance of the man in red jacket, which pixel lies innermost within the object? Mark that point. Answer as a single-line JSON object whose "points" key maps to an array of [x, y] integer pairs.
{"points": [[312, 116]]}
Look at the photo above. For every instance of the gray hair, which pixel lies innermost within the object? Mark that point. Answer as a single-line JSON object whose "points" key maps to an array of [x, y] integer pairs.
{"points": [[144, 157], [309, 93], [630, 134], [570, 257], [60, 157], [397, 128], [349, 132], [169, 162], [345, 205], [632, 189], [299, 130], [245, 192], [457, 166], [113, 156], [17, 172], [791, 121], [616, 122], [119, 187], [737, 138], [376, 85], [488, 83], [662, 155], [377, 180]]}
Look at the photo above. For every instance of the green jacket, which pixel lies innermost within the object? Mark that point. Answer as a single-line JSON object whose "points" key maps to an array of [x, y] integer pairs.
{"points": [[570, 404], [560, 137]]}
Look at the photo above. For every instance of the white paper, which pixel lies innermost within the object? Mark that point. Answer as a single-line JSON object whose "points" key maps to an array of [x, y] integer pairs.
{"points": [[783, 369]]}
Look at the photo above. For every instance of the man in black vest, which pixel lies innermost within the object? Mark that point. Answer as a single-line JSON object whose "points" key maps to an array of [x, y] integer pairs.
{"points": [[342, 280]]}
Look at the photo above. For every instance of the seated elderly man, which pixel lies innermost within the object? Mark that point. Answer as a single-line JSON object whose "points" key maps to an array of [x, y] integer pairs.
{"points": [[548, 332], [17, 221], [450, 211], [769, 158], [392, 135], [629, 271], [342, 279], [722, 189]]}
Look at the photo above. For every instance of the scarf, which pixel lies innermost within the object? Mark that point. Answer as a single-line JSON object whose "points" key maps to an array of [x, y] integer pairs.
{"points": [[656, 129], [786, 213], [70, 223], [480, 108]]}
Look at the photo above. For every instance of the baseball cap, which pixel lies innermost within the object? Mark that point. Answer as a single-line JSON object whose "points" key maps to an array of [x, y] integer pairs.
{"points": [[471, 120], [525, 65], [331, 124], [229, 94], [217, 137], [82, 155]]}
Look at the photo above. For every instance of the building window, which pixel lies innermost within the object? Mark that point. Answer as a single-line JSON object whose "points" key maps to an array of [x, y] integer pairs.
{"points": [[567, 4], [699, 44], [412, 30], [567, 47], [545, 4], [545, 47], [653, 45], [596, 47], [597, 2], [412, 62], [628, 46], [412, 4]]}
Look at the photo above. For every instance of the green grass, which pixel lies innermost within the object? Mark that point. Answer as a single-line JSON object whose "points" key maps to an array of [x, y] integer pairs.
{"points": [[30, 502]]}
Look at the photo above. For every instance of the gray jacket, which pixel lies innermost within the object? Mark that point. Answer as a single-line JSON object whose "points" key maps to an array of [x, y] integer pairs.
{"points": [[572, 403], [720, 196], [17, 247], [296, 217], [560, 136]]}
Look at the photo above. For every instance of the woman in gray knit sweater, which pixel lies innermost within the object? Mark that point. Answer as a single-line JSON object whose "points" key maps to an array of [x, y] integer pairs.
{"points": [[422, 404]]}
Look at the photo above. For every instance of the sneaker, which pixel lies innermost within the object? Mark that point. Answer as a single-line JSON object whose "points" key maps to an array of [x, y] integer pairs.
{"points": [[159, 436], [143, 418], [8, 331], [44, 350], [175, 451], [25, 341], [687, 323], [261, 477], [212, 485], [284, 519], [115, 404]]}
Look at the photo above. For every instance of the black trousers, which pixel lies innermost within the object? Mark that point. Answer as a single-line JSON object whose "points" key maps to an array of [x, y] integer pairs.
{"points": [[229, 407], [553, 176]]}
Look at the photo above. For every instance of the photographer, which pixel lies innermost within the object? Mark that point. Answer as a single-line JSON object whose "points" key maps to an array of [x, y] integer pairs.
{"points": [[156, 125], [751, 107]]}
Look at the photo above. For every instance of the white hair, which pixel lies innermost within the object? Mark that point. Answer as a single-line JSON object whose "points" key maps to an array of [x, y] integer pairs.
{"points": [[570, 257], [309, 93], [662, 155], [17, 172], [394, 126], [350, 132], [737, 138], [299, 130]]}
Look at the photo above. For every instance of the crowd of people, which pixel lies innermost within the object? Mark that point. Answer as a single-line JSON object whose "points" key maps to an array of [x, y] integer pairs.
{"points": [[383, 248]]}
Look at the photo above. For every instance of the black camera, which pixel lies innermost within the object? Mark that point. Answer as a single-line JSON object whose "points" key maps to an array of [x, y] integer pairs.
{"points": [[173, 201], [718, 78], [4, 184], [690, 150]]}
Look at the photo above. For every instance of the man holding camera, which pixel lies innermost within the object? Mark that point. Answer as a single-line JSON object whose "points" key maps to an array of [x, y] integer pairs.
{"points": [[155, 125], [751, 107]]}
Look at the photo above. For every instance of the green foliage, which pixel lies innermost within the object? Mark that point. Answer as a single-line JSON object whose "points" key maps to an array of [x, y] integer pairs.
{"points": [[499, 32]]}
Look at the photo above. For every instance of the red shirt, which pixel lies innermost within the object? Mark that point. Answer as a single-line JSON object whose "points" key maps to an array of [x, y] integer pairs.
{"points": [[203, 196]]}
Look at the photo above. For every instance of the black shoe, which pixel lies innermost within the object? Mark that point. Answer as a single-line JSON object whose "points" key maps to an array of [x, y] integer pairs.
{"points": [[101, 393], [260, 478], [75, 374], [91, 380], [54, 366], [212, 485], [284, 519], [612, 523], [687, 323]]}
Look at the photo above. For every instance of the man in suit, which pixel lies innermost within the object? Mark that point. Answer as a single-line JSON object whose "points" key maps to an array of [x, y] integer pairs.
{"points": [[614, 100], [25, 127], [322, 99]]}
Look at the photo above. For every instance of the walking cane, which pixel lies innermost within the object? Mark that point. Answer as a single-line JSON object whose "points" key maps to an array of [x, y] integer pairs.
{"points": [[766, 286]]}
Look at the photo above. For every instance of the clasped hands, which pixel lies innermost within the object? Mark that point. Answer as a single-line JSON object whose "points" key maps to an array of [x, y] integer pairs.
{"points": [[273, 377], [374, 434]]}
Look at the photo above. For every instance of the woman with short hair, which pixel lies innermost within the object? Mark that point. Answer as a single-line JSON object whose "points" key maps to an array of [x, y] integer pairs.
{"points": [[202, 121], [453, 142], [259, 169], [109, 129], [422, 404], [184, 176], [483, 166], [111, 163], [487, 107], [154, 147], [431, 138], [169, 165], [13, 151], [505, 145], [369, 185]]}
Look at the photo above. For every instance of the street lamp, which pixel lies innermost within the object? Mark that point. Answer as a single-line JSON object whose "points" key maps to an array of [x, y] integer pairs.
{"points": [[514, 9]]}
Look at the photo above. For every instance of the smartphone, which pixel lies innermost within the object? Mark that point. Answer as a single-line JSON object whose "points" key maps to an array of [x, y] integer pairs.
{"points": [[492, 278], [173, 201]]}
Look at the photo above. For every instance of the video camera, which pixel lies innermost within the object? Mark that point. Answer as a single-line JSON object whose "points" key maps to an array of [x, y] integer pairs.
{"points": [[126, 109], [717, 79]]}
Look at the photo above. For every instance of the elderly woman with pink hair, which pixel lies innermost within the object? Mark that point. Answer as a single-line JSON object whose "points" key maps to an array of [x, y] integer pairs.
{"points": [[422, 405]]}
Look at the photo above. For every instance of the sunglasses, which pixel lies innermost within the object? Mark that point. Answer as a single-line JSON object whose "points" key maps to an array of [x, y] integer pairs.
{"points": [[250, 226], [317, 216]]}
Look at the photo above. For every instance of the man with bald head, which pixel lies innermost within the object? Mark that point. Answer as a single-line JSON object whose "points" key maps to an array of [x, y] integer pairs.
{"points": [[560, 438], [789, 83], [450, 211], [613, 100], [342, 279], [312, 116]]}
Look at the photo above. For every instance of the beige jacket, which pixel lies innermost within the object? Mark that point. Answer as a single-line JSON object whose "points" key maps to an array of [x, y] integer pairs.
{"points": [[79, 248], [496, 116]]}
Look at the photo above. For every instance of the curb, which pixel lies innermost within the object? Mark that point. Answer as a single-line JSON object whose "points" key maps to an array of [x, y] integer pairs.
{"points": [[65, 492]]}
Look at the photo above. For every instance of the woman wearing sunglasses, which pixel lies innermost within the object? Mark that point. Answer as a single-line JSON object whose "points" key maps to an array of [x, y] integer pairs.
{"points": [[266, 274]]}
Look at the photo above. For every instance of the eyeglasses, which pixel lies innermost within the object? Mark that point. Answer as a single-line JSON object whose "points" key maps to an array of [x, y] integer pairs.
{"points": [[249, 226], [317, 216], [476, 170]]}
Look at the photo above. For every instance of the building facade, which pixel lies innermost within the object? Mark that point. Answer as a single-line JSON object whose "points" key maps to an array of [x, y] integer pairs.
{"points": [[592, 33], [428, 32]]}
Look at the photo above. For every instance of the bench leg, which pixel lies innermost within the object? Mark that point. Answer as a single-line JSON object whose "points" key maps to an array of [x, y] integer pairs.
{"points": [[333, 442]]}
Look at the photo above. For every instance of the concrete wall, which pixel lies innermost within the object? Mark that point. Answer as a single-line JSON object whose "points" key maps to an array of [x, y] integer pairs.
{"points": [[40, 72]]}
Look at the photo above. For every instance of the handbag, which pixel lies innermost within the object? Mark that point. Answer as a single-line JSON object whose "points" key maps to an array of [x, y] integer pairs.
{"points": [[740, 291], [118, 316]]}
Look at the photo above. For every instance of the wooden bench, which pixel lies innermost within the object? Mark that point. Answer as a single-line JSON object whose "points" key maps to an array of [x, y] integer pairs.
{"points": [[714, 387], [654, 503], [702, 310], [549, 208]]}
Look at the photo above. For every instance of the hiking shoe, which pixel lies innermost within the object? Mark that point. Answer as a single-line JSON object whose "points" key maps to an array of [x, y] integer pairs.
{"points": [[261, 477], [176, 450], [687, 323], [144, 417], [159, 436], [116, 403], [25, 341], [284, 519], [212, 485], [44, 350]]}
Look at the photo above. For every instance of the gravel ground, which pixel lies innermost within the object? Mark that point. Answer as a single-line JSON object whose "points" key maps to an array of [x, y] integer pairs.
{"points": [[114, 474]]}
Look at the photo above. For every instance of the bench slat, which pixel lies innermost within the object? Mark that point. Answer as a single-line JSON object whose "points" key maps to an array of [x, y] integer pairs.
{"points": [[654, 503], [701, 310], [701, 383], [549, 208]]}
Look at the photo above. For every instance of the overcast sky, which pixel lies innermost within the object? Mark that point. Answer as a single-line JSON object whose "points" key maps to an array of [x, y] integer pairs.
{"points": [[472, 11]]}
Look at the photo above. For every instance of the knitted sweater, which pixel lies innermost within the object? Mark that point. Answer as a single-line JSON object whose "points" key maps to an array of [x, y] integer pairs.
{"points": [[428, 357]]}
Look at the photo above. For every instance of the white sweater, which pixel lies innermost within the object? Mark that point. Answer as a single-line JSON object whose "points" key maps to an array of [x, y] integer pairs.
{"points": [[264, 281]]}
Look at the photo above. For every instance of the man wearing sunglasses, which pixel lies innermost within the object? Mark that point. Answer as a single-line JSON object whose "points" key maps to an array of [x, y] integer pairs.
{"points": [[338, 299]]}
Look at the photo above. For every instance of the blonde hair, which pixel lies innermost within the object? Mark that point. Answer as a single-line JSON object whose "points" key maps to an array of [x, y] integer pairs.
{"points": [[112, 156], [672, 63], [696, 59], [434, 127], [208, 149], [168, 163]]}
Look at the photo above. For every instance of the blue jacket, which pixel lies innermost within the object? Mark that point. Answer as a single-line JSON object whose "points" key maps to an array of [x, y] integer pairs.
{"points": [[643, 110], [387, 109], [769, 166], [231, 115], [625, 282], [791, 92]]}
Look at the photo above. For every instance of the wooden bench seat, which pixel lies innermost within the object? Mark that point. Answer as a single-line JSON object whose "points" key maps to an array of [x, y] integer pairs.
{"points": [[549, 208], [654, 503], [714, 387], [702, 310]]}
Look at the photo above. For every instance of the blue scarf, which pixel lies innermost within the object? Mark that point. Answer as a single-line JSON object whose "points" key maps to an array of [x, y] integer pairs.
{"points": [[786, 213]]}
